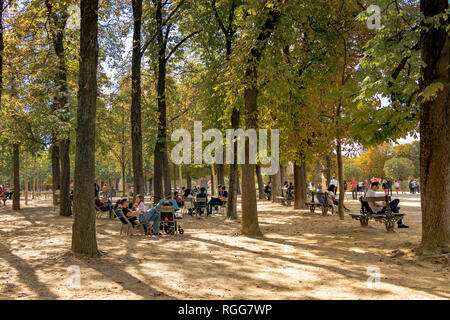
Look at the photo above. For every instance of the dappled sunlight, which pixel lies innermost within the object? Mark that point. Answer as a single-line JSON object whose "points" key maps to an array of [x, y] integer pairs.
{"points": [[300, 256]]}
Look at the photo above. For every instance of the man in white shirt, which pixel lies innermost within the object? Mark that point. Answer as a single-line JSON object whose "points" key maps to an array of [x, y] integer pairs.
{"points": [[379, 206], [334, 182]]}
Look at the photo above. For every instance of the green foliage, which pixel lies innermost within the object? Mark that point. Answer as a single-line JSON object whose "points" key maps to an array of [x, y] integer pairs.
{"points": [[352, 170], [398, 168]]}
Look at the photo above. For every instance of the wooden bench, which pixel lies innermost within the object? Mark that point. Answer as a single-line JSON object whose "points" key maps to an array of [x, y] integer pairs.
{"points": [[316, 204], [387, 217]]}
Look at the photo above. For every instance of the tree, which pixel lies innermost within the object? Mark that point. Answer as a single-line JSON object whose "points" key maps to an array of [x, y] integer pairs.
{"points": [[410, 151], [61, 161], [372, 161], [352, 170], [249, 223], [136, 118], [399, 168], [83, 232], [434, 126]]}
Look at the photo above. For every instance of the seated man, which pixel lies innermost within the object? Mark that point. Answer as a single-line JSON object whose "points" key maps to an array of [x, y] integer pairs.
{"points": [[120, 208], [268, 190], [104, 206], [217, 201], [380, 206], [201, 194]]}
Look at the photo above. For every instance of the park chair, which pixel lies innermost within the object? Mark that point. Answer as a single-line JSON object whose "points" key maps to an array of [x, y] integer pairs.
{"points": [[127, 226], [223, 207], [188, 204], [201, 205], [169, 223]]}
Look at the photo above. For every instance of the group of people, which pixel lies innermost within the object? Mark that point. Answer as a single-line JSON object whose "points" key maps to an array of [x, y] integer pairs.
{"points": [[138, 214], [364, 186], [414, 186], [200, 192]]}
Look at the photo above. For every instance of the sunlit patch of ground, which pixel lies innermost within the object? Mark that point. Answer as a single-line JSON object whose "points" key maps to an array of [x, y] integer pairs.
{"points": [[301, 256]]}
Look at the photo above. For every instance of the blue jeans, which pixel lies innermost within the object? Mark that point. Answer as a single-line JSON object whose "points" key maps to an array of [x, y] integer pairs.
{"points": [[394, 208], [148, 216], [214, 202]]}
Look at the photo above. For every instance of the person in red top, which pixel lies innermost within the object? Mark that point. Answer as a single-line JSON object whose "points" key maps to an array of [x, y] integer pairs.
{"points": [[354, 185]]}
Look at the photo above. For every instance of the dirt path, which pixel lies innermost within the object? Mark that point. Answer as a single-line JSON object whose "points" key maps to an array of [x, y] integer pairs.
{"points": [[301, 256]]}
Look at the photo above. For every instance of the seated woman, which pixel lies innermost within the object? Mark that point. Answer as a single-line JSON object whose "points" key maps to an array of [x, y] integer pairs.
{"points": [[104, 206], [331, 198], [146, 216], [333, 188], [178, 199], [321, 199]]}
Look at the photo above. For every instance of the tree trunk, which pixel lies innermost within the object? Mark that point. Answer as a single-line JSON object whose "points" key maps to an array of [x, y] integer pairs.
{"points": [[84, 235], [281, 175], [188, 179], [65, 209], [2, 49], [341, 179], [174, 167], [213, 181], [328, 169], [56, 173], [16, 170], [124, 180], [276, 186], [435, 133], [300, 186], [136, 118], [26, 178], [234, 172], [260, 182], [161, 167], [220, 174]]}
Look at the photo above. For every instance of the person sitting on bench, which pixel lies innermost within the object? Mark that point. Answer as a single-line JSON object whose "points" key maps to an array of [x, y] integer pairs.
{"points": [[214, 202], [321, 199], [380, 206], [104, 206]]}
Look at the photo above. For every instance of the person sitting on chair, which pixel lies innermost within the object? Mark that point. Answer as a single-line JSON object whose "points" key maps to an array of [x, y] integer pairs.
{"points": [[201, 194], [146, 216], [321, 199], [104, 206], [188, 195], [380, 206], [178, 199], [268, 190], [121, 207], [215, 202]]}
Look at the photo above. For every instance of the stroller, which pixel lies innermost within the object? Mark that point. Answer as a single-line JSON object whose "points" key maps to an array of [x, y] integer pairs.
{"points": [[169, 219]]}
